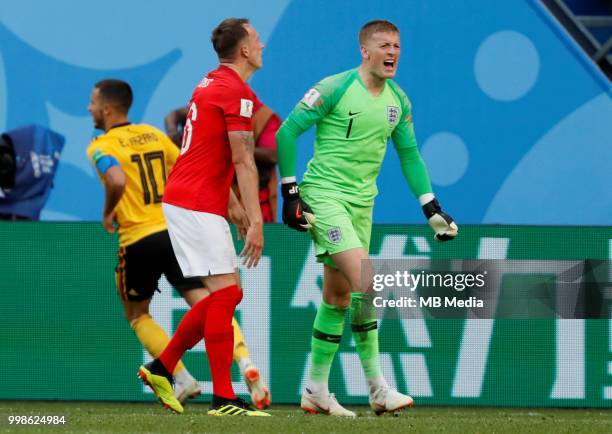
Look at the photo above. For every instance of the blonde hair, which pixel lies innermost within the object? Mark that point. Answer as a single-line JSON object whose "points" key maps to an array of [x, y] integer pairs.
{"points": [[376, 26]]}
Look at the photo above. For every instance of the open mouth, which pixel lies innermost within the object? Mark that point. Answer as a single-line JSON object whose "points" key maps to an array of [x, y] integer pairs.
{"points": [[389, 64]]}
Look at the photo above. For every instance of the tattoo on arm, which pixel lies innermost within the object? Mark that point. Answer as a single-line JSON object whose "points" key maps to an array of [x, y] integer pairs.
{"points": [[249, 143]]}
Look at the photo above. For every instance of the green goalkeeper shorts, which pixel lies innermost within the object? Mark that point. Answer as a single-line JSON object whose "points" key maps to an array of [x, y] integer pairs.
{"points": [[340, 225]]}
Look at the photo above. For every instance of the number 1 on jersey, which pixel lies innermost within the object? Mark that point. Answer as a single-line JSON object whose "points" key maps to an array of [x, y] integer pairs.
{"points": [[348, 130]]}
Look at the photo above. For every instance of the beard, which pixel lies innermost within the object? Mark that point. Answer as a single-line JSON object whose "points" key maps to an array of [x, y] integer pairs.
{"points": [[98, 123]]}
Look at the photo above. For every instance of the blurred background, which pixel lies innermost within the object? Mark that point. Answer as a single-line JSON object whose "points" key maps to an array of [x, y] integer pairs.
{"points": [[513, 114], [513, 117]]}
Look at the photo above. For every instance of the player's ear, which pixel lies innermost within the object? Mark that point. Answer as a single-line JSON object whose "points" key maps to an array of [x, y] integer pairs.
{"points": [[364, 52], [244, 50], [107, 108]]}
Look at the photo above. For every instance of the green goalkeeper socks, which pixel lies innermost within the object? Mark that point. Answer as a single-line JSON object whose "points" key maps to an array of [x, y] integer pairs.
{"points": [[365, 332], [327, 332], [326, 335]]}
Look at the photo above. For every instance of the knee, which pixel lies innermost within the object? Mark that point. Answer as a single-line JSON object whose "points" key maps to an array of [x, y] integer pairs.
{"points": [[134, 312], [342, 300], [345, 301]]}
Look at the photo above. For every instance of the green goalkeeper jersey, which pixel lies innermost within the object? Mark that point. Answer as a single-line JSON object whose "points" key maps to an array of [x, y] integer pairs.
{"points": [[353, 128]]}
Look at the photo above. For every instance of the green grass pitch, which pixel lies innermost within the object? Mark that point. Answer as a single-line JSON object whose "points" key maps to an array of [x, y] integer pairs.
{"points": [[136, 418]]}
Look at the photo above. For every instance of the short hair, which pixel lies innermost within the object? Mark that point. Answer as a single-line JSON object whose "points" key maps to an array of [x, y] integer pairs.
{"points": [[116, 92], [376, 26], [227, 35]]}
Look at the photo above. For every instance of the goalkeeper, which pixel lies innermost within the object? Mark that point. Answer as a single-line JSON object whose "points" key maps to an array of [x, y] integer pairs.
{"points": [[355, 112]]}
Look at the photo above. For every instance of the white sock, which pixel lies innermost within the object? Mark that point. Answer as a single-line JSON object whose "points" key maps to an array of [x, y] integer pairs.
{"points": [[244, 363], [183, 376], [377, 383], [316, 388], [426, 198]]}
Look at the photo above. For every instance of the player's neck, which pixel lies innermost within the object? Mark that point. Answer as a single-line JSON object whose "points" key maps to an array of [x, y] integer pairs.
{"points": [[373, 84], [243, 69], [113, 121]]}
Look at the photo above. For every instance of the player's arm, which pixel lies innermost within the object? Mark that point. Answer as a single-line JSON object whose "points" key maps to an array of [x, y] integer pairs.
{"points": [[114, 186], [237, 214], [311, 109], [265, 155], [173, 122], [242, 144], [317, 102], [415, 172], [113, 179]]}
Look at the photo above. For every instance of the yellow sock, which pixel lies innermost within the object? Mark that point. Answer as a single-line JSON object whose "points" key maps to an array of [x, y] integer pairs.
{"points": [[240, 348], [152, 337]]}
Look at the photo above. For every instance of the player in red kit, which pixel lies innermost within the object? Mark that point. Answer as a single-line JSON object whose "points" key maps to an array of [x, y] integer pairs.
{"points": [[217, 143]]}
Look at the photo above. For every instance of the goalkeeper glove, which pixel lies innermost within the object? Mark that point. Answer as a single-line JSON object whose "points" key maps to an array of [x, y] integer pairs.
{"points": [[296, 213], [442, 224]]}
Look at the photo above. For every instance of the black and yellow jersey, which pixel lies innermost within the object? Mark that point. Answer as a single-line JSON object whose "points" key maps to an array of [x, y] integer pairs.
{"points": [[146, 155]]}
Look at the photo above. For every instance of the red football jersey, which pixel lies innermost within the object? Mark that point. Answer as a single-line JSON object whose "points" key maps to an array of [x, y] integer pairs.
{"points": [[203, 173]]}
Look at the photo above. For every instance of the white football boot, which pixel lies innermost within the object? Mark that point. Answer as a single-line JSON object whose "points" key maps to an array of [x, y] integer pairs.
{"points": [[323, 402], [260, 394], [387, 400]]}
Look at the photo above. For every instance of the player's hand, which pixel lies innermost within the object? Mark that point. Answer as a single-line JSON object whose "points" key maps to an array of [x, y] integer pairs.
{"points": [[109, 222], [296, 213], [237, 215], [253, 245], [442, 224]]}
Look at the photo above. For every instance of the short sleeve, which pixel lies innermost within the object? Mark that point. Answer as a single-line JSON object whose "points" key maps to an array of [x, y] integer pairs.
{"points": [[100, 154], [257, 104], [238, 105], [97, 148]]}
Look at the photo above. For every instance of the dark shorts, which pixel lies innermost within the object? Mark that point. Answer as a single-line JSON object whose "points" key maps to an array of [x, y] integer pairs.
{"points": [[142, 263]]}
